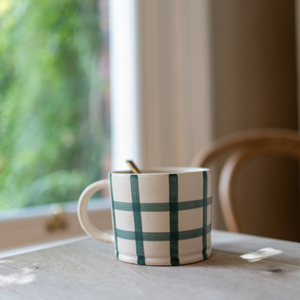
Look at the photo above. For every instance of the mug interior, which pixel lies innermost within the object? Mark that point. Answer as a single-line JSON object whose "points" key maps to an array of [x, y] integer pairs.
{"points": [[165, 170]]}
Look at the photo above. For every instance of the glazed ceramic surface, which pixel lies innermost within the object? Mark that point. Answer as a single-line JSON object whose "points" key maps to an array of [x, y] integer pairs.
{"points": [[161, 216]]}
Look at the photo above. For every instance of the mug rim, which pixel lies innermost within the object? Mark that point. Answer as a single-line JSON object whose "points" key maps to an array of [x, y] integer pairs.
{"points": [[163, 171]]}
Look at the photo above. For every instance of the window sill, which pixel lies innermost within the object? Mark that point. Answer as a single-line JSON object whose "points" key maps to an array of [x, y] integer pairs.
{"points": [[28, 226]]}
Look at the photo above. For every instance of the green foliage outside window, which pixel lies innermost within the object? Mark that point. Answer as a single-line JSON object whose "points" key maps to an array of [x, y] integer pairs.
{"points": [[50, 147]]}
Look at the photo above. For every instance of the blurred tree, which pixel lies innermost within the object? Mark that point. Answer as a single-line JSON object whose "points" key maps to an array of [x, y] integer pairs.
{"points": [[49, 148]]}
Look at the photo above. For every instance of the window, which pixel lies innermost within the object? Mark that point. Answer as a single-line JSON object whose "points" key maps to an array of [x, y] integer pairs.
{"points": [[54, 101], [54, 107], [160, 62]]}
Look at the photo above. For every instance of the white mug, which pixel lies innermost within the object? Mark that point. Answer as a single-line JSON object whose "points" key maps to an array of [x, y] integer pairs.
{"points": [[160, 217]]}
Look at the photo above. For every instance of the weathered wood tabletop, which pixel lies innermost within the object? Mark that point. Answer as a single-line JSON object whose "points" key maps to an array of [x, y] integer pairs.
{"points": [[89, 270]]}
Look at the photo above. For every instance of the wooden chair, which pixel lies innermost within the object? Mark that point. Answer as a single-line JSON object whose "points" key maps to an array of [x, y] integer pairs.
{"points": [[244, 145]]}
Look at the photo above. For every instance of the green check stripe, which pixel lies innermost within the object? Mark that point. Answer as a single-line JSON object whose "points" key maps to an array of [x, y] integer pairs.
{"points": [[135, 195], [204, 253], [174, 234], [113, 215], [162, 236], [165, 206]]}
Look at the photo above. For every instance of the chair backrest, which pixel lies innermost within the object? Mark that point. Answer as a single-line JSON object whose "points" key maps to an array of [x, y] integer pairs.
{"points": [[243, 146]]}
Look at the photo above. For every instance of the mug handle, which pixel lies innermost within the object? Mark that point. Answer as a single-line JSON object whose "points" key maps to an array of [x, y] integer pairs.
{"points": [[82, 212]]}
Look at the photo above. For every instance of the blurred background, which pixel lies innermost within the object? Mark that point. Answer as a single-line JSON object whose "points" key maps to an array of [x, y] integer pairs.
{"points": [[54, 91], [211, 68], [85, 85]]}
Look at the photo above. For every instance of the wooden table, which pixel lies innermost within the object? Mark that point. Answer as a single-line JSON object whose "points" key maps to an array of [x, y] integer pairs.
{"points": [[89, 270]]}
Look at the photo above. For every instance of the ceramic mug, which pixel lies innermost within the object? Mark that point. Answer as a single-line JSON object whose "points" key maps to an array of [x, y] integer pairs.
{"points": [[160, 217]]}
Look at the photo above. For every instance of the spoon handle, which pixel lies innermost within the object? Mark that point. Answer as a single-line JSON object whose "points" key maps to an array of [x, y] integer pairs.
{"points": [[133, 167]]}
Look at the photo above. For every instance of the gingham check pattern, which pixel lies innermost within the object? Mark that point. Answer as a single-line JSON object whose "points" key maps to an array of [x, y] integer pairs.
{"points": [[173, 236]]}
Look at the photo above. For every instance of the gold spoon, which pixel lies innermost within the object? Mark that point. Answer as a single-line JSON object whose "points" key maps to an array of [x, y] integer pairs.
{"points": [[133, 167]]}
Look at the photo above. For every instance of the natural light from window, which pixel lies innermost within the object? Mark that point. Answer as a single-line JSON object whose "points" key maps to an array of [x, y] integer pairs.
{"points": [[54, 100]]}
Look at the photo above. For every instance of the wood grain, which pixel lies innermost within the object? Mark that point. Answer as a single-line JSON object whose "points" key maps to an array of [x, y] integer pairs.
{"points": [[89, 270]]}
